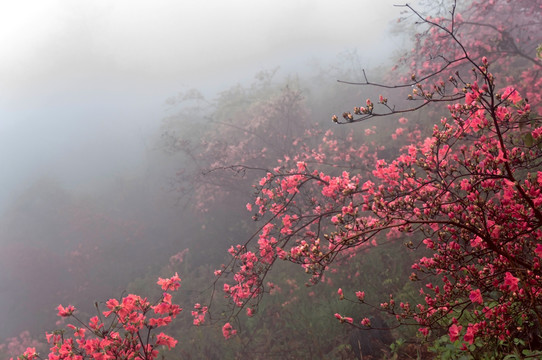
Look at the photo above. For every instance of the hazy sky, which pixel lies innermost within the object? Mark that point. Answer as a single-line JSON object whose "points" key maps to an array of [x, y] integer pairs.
{"points": [[83, 81]]}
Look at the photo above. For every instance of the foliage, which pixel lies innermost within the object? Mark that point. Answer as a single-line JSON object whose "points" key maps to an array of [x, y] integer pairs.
{"points": [[473, 189], [125, 335]]}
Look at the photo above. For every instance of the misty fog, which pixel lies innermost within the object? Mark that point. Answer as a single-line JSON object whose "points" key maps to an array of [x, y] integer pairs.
{"points": [[87, 208], [79, 79]]}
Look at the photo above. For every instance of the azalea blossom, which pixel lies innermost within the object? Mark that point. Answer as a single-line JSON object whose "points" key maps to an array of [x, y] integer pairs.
{"points": [[454, 331]]}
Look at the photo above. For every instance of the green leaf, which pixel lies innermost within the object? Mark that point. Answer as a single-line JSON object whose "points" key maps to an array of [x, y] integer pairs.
{"points": [[511, 357], [528, 139]]}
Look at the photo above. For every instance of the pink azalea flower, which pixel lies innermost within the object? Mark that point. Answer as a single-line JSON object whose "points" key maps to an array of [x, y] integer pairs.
{"points": [[65, 311], [163, 339], [228, 331], [172, 283], [469, 335], [360, 295], [454, 332], [476, 296], [511, 282], [511, 94]]}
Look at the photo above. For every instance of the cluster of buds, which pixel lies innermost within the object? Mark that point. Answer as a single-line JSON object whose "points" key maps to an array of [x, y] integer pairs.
{"points": [[364, 110], [370, 105], [348, 116], [418, 91], [361, 110]]}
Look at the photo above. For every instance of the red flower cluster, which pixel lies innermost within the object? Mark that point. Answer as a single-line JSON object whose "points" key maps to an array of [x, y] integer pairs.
{"points": [[127, 334]]}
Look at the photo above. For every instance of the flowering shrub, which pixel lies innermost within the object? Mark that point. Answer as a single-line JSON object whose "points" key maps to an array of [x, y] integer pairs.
{"points": [[123, 331], [470, 194]]}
